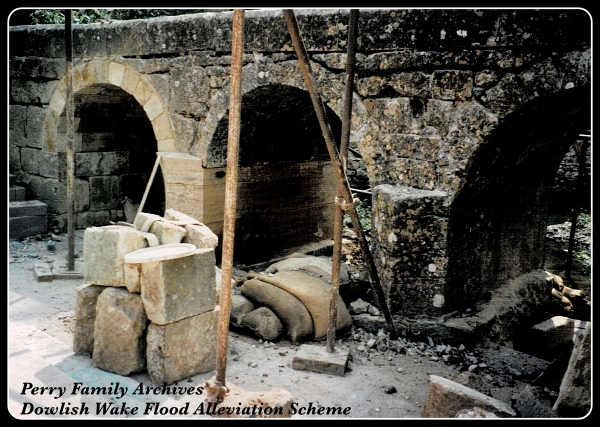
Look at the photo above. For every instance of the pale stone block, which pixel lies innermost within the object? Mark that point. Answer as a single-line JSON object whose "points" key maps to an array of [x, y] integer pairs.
{"points": [[575, 394], [165, 231], [132, 275], [85, 318], [547, 339], [142, 92], [178, 288], [162, 127], [181, 349], [166, 144], [144, 220], [115, 73], [58, 100], [319, 359], [119, 332], [276, 403], [130, 80], [197, 233], [447, 398], [104, 250], [153, 107]]}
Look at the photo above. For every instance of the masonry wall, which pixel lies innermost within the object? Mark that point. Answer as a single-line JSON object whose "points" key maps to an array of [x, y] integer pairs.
{"points": [[433, 88]]}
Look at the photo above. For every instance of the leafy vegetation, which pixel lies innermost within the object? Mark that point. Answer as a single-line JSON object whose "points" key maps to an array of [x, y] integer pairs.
{"points": [[584, 256], [89, 16], [363, 209]]}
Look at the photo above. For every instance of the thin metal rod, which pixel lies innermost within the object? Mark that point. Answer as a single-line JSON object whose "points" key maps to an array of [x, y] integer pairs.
{"points": [[339, 213], [143, 202], [235, 100], [581, 175], [337, 164], [69, 113]]}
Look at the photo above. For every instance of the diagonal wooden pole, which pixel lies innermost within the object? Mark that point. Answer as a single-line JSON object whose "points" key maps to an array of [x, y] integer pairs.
{"points": [[337, 164], [339, 213], [219, 389]]}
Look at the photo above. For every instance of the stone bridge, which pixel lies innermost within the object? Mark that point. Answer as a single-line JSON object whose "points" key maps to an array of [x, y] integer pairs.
{"points": [[461, 118]]}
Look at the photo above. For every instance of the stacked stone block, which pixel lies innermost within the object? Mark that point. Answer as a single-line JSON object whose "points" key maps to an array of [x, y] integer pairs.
{"points": [[409, 247], [159, 316]]}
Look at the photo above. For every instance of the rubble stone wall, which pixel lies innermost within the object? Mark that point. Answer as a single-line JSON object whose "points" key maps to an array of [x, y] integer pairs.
{"points": [[466, 102]]}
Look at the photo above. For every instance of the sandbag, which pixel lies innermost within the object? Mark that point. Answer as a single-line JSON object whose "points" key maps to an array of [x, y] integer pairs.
{"points": [[290, 310], [314, 294]]}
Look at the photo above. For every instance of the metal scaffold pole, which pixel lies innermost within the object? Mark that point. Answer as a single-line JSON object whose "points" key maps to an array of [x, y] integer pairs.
{"points": [[70, 112], [339, 213], [235, 98]]}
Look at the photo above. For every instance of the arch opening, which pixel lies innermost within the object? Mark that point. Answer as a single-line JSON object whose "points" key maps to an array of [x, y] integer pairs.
{"points": [[286, 182], [115, 150], [499, 218]]}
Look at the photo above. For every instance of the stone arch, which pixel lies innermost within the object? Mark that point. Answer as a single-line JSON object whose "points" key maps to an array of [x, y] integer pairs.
{"points": [[99, 71], [283, 74], [105, 177], [498, 219]]}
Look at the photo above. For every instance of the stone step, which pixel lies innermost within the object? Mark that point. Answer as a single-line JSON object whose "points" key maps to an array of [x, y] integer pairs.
{"points": [[27, 218], [16, 193], [27, 208]]}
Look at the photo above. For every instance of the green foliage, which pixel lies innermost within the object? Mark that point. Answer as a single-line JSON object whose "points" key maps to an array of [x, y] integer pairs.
{"points": [[89, 16], [584, 221], [363, 209]]}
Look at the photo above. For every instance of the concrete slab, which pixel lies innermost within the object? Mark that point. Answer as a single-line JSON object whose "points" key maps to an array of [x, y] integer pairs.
{"points": [[43, 272], [60, 270], [318, 359]]}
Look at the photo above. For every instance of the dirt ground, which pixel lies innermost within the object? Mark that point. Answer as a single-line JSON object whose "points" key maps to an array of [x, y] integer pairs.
{"points": [[381, 381]]}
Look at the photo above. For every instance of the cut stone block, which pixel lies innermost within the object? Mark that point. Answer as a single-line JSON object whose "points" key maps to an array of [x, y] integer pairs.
{"points": [[447, 398], [198, 234], [275, 403], [547, 339], [575, 395], [24, 226], [60, 270], [178, 288], [183, 175], [43, 272], [104, 250], [27, 208], [119, 332], [85, 318], [165, 231], [182, 349], [533, 403], [319, 359], [17, 194], [132, 276]]}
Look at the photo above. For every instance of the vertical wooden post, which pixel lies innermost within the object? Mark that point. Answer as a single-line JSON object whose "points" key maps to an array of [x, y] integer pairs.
{"points": [[235, 99], [70, 112], [339, 213]]}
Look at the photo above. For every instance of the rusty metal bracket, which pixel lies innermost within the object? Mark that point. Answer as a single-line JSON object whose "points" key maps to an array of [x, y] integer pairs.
{"points": [[343, 185]]}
